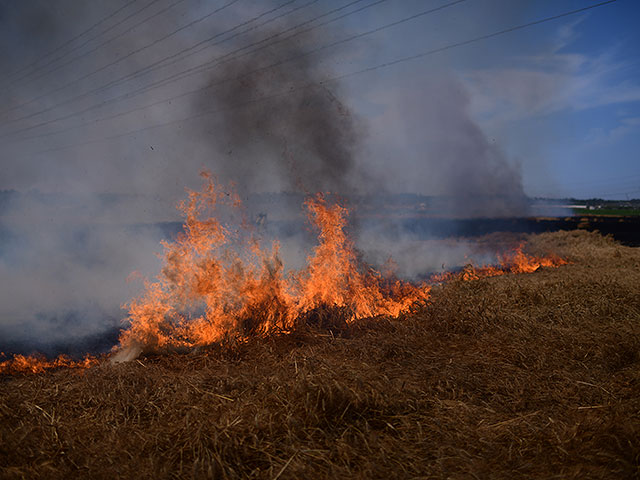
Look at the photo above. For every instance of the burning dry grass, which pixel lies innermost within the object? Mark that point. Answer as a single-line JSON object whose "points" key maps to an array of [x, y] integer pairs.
{"points": [[218, 281], [37, 364], [534, 375]]}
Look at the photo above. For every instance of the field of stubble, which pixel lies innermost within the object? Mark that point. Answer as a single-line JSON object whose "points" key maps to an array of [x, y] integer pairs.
{"points": [[517, 376]]}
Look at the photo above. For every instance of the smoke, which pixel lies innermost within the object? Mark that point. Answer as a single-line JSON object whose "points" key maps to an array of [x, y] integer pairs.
{"points": [[446, 153], [278, 120], [31, 28], [473, 171], [268, 121], [445, 150], [64, 263], [76, 222]]}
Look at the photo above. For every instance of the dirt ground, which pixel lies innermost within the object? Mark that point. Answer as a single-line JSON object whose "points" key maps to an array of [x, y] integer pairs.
{"points": [[517, 376]]}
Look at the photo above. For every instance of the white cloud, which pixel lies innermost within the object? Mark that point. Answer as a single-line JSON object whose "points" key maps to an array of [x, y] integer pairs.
{"points": [[550, 82], [599, 137]]}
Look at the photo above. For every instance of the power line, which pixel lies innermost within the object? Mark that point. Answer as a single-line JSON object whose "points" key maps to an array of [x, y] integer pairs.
{"points": [[78, 47], [70, 41], [138, 50], [332, 79], [170, 6], [96, 48], [63, 87], [149, 67], [161, 63], [297, 57], [223, 59], [476, 39]]}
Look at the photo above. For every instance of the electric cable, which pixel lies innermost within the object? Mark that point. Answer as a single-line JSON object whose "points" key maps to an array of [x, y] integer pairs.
{"points": [[333, 79], [78, 47], [297, 57], [142, 71], [70, 41]]}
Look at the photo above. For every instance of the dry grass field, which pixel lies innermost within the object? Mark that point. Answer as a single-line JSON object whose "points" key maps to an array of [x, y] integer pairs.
{"points": [[516, 376]]}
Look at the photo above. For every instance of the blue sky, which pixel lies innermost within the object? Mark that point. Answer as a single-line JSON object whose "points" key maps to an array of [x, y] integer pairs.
{"points": [[593, 140], [563, 98], [560, 101]]}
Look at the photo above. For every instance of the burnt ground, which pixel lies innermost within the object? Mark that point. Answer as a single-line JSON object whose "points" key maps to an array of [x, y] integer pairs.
{"points": [[519, 376]]}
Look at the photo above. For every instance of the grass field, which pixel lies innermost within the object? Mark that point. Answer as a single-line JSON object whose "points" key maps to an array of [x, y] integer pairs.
{"points": [[617, 212], [518, 376]]}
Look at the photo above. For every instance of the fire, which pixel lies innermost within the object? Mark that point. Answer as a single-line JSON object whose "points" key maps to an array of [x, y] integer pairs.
{"points": [[219, 282], [514, 261], [20, 364], [519, 262]]}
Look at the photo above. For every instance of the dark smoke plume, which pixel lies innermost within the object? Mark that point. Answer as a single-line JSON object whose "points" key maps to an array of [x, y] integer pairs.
{"points": [[282, 121]]}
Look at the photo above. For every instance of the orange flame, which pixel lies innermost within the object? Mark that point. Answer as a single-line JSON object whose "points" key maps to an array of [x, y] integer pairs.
{"points": [[514, 261], [21, 364], [217, 282]]}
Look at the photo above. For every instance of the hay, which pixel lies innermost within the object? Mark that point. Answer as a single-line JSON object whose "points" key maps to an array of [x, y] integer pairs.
{"points": [[518, 376]]}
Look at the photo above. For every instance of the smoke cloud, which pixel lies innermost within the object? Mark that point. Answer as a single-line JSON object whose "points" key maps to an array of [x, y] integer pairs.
{"points": [[277, 119], [446, 152], [64, 264], [83, 208]]}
